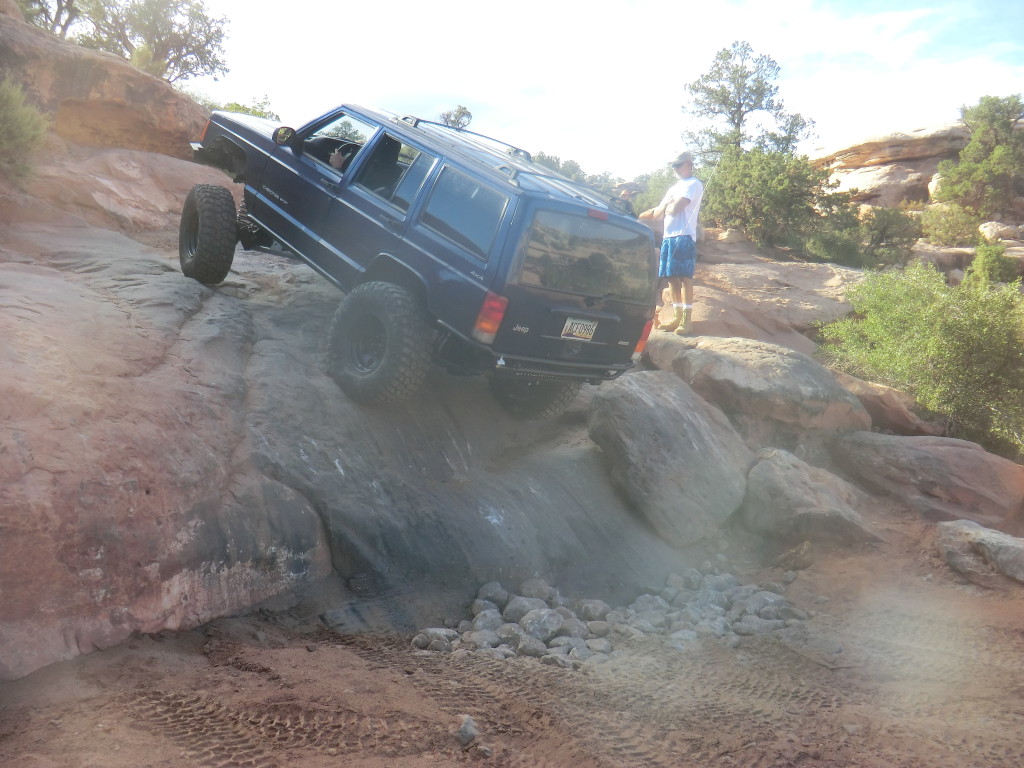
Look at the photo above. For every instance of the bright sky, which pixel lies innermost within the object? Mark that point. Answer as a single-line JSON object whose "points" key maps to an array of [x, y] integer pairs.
{"points": [[603, 83]]}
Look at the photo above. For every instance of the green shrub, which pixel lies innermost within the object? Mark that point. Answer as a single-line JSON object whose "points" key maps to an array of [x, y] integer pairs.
{"points": [[949, 224], [769, 196], [985, 176], [958, 350], [991, 265], [777, 198], [22, 128], [834, 239], [882, 238], [888, 234]]}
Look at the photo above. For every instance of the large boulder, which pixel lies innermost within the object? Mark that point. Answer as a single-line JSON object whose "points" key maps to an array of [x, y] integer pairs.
{"points": [[96, 98], [997, 231], [674, 456], [775, 397], [790, 501], [941, 478], [891, 410], [980, 555], [945, 258]]}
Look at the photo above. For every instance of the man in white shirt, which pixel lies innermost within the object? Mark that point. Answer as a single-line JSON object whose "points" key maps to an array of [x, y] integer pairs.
{"points": [[680, 208]]}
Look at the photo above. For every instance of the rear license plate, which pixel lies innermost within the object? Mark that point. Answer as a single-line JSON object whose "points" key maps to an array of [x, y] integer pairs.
{"points": [[575, 328]]}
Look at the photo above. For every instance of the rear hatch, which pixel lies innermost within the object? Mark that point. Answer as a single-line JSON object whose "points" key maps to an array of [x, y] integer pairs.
{"points": [[580, 291]]}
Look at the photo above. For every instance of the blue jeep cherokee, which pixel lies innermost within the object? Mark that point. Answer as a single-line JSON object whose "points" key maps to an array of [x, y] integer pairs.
{"points": [[448, 245]]}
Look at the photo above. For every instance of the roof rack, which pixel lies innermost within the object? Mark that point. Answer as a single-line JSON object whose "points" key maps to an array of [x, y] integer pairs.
{"points": [[513, 150], [574, 188]]}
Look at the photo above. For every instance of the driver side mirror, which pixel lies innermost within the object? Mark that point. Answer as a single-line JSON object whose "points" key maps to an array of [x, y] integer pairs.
{"points": [[283, 135]]}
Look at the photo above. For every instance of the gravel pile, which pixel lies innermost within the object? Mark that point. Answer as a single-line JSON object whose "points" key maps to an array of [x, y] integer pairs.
{"points": [[538, 621]]}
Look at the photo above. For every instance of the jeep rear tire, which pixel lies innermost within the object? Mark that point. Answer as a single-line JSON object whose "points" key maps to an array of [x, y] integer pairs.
{"points": [[378, 348], [207, 234], [533, 397]]}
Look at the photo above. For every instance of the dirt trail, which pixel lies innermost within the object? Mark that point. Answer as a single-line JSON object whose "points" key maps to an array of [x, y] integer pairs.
{"points": [[900, 665]]}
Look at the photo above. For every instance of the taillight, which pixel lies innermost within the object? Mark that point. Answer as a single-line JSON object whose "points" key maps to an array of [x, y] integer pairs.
{"points": [[643, 340], [594, 213], [489, 320]]}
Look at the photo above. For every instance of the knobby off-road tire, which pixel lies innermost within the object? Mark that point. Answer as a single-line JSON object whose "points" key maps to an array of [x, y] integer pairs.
{"points": [[378, 348], [207, 234], [533, 397]]}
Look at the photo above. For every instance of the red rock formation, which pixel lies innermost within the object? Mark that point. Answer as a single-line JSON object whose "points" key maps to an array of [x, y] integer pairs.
{"points": [[890, 169], [95, 98]]}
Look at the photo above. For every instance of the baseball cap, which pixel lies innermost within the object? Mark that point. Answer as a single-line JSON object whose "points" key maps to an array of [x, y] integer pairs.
{"points": [[685, 157]]}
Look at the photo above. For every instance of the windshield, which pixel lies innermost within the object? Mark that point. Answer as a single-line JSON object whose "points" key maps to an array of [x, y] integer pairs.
{"points": [[588, 256]]}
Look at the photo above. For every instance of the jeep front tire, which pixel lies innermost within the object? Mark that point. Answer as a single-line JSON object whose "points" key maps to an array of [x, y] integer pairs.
{"points": [[378, 348], [207, 234]]}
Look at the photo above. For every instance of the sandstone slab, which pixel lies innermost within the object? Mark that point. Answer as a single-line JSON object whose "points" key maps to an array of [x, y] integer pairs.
{"points": [[941, 478], [740, 292]]}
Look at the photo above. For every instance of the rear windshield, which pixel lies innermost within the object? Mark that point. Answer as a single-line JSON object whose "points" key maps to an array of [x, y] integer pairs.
{"points": [[588, 256]]}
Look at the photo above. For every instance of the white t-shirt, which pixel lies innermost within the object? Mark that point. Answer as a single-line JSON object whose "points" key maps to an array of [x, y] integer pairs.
{"points": [[684, 222]]}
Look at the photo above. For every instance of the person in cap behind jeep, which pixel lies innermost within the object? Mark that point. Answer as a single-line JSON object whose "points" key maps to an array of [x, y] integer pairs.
{"points": [[627, 191], [679, 208]]}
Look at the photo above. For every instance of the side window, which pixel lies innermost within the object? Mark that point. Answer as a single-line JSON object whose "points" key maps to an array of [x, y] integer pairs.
{"points": [[394, 171], [411, 182], [337, 143], [465, 211]]}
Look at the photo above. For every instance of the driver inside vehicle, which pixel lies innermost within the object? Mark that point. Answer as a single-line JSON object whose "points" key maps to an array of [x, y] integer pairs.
{"points": [[341, 157]]}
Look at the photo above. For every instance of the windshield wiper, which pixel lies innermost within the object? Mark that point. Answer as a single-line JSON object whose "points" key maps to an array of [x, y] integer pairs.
{"points": [[592, 300]]}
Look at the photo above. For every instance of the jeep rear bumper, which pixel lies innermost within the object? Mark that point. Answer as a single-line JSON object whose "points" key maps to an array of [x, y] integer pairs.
{"points": [[534, 366]]}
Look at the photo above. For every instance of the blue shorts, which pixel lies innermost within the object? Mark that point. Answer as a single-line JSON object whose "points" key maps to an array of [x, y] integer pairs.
{"points": [[678, 256]]}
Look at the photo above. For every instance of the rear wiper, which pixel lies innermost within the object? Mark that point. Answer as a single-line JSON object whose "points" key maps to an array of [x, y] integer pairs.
{"points": [[592, 300]]}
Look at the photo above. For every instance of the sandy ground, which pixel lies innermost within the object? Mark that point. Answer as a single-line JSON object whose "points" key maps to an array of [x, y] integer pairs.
{"points": [[901, 664]]}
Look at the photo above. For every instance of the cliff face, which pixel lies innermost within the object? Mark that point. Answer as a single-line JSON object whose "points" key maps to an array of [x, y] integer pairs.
{"points": [[889, 169], [95, 98]]}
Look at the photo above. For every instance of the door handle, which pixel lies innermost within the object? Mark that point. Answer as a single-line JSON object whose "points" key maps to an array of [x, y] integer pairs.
{"points": [[391, 222]]}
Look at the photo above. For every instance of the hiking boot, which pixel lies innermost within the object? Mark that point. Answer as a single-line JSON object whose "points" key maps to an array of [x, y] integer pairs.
{"points": [[684, 326], [673, 324]]}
